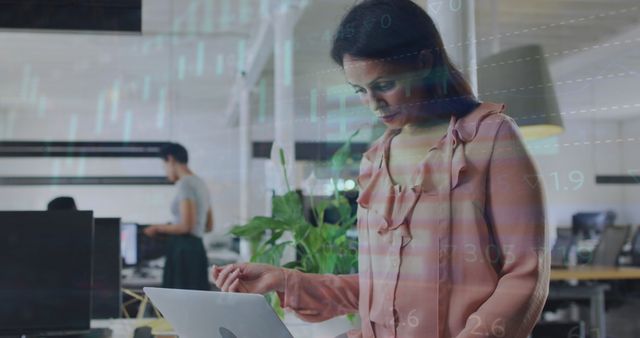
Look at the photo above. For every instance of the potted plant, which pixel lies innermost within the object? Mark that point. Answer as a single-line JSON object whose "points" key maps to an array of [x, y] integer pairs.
{"points": [[321, 248]]}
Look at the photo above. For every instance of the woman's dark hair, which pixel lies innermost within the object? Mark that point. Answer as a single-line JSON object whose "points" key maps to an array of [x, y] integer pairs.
{"points": [[397, 31], [175, 150]]}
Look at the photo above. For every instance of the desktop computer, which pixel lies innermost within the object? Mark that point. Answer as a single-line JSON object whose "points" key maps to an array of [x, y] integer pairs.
{"points": [[45, 282], [107, 265]]}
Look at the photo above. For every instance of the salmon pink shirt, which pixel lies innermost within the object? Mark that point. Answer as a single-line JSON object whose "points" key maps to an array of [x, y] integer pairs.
{"points": [[460, 253]]}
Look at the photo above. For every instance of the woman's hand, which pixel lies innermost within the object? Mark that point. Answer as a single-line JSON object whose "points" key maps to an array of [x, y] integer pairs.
{"points": [[248, 278]]}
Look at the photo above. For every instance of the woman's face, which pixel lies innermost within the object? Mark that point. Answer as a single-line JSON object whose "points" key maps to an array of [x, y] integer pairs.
{"points": [[170, 169], [394, 93]]}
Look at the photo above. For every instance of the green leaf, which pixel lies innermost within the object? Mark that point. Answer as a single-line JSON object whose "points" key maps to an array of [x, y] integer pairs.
{"points": [[288, 208], [340, 157], [270, 254], [257, 226]]}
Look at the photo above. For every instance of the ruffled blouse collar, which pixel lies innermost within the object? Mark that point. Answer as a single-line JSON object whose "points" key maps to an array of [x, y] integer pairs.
{"points": [[394, 203]]}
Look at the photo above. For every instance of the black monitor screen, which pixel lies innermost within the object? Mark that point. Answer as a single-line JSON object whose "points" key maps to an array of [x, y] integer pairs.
{"points": [[45, 276], [107, 298]]}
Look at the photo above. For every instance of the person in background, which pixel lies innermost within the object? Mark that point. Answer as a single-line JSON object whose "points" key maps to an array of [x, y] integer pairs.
{"points": [[62, 203], [186, 265]]}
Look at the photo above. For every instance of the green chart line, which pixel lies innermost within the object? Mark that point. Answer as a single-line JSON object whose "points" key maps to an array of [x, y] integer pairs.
{"points": [[182, 67], [42, 106], [226, 17], [200, 59], [128, 123], [192, 22], [146, 88], [33, 93], [264, 8], [72, 134], [314, 105], [207, 22], [162, 108], [245, 11], [100, 112], [26, 82], [115, 101]]}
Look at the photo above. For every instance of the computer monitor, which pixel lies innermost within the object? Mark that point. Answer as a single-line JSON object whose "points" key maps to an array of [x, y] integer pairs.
{"points": [[45, 283], [107, 266], [129, 243], [589, 225]]}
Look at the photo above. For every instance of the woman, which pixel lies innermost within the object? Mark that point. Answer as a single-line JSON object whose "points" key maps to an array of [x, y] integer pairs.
{"points": [[451, 222], [186, 264]]}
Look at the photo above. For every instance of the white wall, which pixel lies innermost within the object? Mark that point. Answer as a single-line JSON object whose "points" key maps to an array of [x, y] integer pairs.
{"points": [[631, 165], [568, 167]]}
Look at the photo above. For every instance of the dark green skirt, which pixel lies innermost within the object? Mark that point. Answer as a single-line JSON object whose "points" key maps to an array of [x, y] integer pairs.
{"points": [[186, 265]]}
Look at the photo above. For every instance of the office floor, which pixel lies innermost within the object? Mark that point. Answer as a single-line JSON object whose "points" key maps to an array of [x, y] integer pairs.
{"points": [[622, 322]]}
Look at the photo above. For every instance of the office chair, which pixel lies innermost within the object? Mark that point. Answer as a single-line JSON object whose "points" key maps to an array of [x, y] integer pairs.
{"points": [[559, 259], [561, 248], [606, 253], [610, 245]]}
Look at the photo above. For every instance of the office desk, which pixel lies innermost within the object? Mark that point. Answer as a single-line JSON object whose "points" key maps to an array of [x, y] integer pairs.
{"points": [[124, 328], [594, 293], [595, 273]]}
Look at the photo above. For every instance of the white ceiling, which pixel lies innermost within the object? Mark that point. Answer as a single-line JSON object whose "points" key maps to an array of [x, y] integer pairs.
{"points": [[183, 40]]}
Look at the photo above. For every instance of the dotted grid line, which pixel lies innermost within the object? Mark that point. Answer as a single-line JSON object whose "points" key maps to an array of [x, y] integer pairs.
{"points": [[559, 83], [567, 113], [561, 23], [564, 52], [611, 13], [575, 143], [617, 43], [549, 84], [542, 27], [530, 147]]}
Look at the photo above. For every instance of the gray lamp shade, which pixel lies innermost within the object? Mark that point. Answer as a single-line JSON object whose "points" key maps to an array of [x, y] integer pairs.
{"points": [[520, 78]]}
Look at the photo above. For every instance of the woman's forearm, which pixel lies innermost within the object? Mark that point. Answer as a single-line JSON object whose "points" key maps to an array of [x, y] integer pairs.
{"points": [[316, 297], [173, 229]]}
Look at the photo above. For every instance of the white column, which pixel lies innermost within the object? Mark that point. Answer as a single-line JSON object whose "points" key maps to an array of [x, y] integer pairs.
{"points": [[284, 116], [457, 25], [283, 88], [244, 131]]}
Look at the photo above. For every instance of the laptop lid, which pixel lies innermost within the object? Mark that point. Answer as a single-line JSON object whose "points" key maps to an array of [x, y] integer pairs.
{"points": [[211, 314]]}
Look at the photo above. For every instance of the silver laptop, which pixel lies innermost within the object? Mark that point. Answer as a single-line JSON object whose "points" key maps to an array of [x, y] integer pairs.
{"points": [[210, 314]]}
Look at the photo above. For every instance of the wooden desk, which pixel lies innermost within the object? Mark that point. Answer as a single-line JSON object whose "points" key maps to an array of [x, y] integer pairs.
{"points": [[595, 273], [594, 293]]}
